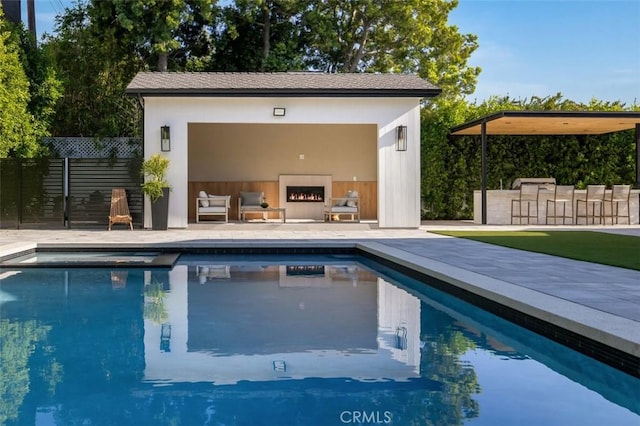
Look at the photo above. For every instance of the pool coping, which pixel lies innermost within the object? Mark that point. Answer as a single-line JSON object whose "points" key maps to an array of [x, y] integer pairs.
{"points": [[607, 337]]}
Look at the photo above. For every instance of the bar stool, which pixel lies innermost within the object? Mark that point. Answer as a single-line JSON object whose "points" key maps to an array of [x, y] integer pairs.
{"points": [[528, 197], [620, 194], [563, 195], [595, 197]]}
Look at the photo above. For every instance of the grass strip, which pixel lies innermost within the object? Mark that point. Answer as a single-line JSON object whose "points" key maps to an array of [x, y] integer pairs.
{"points": [[596, 247]]}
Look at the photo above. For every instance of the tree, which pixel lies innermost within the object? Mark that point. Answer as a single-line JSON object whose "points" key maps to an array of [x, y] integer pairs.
{"points": [[152, 26], [45, 89], [18, 133], [95, 67], [260, 35], [391, 36]]}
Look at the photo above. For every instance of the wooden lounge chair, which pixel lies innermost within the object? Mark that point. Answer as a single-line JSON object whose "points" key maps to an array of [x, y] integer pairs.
{"points": [[119, 208]]}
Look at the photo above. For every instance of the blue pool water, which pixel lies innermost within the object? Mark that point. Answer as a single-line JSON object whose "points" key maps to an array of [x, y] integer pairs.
{"points": [[263, 340]]}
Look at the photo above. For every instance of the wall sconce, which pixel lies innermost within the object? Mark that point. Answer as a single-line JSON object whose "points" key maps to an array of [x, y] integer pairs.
{"points": [[401, 138], [165, 139], [165, 338], [279, 112]]}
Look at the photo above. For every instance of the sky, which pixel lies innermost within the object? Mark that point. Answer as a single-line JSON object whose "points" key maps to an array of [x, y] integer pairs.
{"points": [[582, 49]]}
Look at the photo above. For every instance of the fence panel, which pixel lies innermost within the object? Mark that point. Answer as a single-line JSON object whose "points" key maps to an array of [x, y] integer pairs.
{"points": [[32, 191], [90, 184], [9, 192]]}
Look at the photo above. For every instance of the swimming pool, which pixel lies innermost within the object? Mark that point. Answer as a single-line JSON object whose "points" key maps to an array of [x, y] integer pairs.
{"points": [[280, 340]]}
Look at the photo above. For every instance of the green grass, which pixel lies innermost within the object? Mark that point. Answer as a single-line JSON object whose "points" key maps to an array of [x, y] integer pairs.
{"points": [[597, 247]]}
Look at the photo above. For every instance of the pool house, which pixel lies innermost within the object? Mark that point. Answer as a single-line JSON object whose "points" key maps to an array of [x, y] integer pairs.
{"points": [[230, 132]]}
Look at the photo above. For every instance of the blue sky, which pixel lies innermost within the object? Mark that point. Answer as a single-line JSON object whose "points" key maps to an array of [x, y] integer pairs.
{"points": [[583, 49]]}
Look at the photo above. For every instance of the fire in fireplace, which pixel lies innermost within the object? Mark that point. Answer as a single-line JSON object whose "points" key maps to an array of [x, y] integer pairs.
{"points": [[305, 194]]}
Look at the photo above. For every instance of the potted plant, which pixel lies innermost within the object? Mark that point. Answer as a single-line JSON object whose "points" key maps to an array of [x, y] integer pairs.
{"points": [[157, 189]]}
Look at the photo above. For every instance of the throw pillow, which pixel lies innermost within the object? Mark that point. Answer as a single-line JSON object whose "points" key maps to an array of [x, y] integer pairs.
{"points": [[203, 203]]}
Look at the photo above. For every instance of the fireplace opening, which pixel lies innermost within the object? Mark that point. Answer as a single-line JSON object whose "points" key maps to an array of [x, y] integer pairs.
{"points": [[305, 194]]}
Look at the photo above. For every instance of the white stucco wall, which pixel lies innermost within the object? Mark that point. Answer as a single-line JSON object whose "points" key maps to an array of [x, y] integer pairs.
{"points": [[398, 171]]}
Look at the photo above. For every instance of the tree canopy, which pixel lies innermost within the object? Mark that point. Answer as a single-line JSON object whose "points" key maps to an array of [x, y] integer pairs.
{"points": [[29, 90]]}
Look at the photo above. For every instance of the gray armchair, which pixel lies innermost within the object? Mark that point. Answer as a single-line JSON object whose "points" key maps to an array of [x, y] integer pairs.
{"points": [[348, 205], [249, 201]]}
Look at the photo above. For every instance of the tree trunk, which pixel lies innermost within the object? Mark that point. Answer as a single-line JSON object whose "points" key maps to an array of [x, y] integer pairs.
{"points": [[163, 59], [266, 33]]}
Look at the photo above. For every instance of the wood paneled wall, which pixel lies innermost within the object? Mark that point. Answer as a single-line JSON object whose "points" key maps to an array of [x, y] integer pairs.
{"points": [[368, 192]]}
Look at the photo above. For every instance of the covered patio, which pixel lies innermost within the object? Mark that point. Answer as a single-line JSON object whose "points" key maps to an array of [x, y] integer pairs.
{"points": [[519, 123], [232, 132]]}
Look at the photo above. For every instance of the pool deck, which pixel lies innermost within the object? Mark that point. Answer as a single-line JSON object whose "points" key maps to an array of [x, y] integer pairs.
{"points": [[597, 301]]}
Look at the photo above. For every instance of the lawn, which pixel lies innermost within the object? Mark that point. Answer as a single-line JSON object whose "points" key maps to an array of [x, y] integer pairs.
{"points": [[597, 247]]}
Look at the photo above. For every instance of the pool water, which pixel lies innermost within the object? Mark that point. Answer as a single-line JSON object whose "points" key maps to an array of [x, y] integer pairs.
{"points": [[286, 340]]}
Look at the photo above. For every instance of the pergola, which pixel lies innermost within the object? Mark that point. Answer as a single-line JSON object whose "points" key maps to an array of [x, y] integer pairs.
{"points": [[548, 123]]}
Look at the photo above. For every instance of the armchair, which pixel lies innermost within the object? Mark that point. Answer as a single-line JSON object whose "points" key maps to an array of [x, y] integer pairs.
{"points": [[338, 206], [249, 201], [212, 205]]}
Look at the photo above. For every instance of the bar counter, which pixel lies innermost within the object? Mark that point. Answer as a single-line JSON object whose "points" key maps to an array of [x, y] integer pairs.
{"points": [[499, 207]]}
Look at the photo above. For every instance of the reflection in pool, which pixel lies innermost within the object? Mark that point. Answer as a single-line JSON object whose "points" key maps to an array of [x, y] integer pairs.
{"points": [[280, 341]]}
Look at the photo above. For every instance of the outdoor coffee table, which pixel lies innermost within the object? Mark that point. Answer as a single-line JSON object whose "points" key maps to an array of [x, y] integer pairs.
{"points": [[282, 212]]}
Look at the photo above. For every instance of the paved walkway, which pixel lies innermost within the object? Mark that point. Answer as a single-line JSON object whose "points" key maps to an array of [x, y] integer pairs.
{"points": [[597, 301]]}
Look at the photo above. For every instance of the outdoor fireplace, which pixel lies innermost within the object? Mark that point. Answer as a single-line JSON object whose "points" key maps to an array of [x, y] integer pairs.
{"points": [[305, 194]]}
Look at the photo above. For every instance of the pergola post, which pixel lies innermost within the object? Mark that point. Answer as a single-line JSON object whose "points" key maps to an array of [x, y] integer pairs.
{"points": [[483, 131], [637, 155]]}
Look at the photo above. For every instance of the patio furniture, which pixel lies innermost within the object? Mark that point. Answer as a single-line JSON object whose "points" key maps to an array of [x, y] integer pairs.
{"points": [[527, 198], [563, 195], [282, 212], [249, 201], [337, 207], [620, 194], [119, 212], [595, 198], [212, 272], [212, 205]]}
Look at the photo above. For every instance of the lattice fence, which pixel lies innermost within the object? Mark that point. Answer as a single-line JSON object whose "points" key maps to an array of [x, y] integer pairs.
{"points": [[73, 147]]}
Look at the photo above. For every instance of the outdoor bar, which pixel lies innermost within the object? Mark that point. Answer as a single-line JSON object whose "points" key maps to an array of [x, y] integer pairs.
{"points": [[494, 206], [499, 205]]}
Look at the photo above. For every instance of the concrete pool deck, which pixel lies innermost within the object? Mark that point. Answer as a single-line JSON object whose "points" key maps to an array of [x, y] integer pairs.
{"points": [[599, 302]]}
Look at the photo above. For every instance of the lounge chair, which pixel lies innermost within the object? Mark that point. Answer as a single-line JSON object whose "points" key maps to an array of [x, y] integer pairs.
{"points": [[119, 212], [348, 205]]}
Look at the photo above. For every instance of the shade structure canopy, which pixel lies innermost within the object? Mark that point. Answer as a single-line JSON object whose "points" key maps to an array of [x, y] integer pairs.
{"points": [[520, 123], [550, 123]]}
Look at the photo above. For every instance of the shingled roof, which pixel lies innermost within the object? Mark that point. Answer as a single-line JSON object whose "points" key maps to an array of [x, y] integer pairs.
{"points": [[314, 84]]}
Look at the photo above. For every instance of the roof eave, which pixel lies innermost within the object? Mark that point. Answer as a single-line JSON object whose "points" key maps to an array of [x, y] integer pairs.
{"points": [[163, 92]]}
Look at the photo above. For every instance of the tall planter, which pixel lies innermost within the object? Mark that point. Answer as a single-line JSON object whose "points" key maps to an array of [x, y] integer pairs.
{"points": [[157, 189], [160, 212]]}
